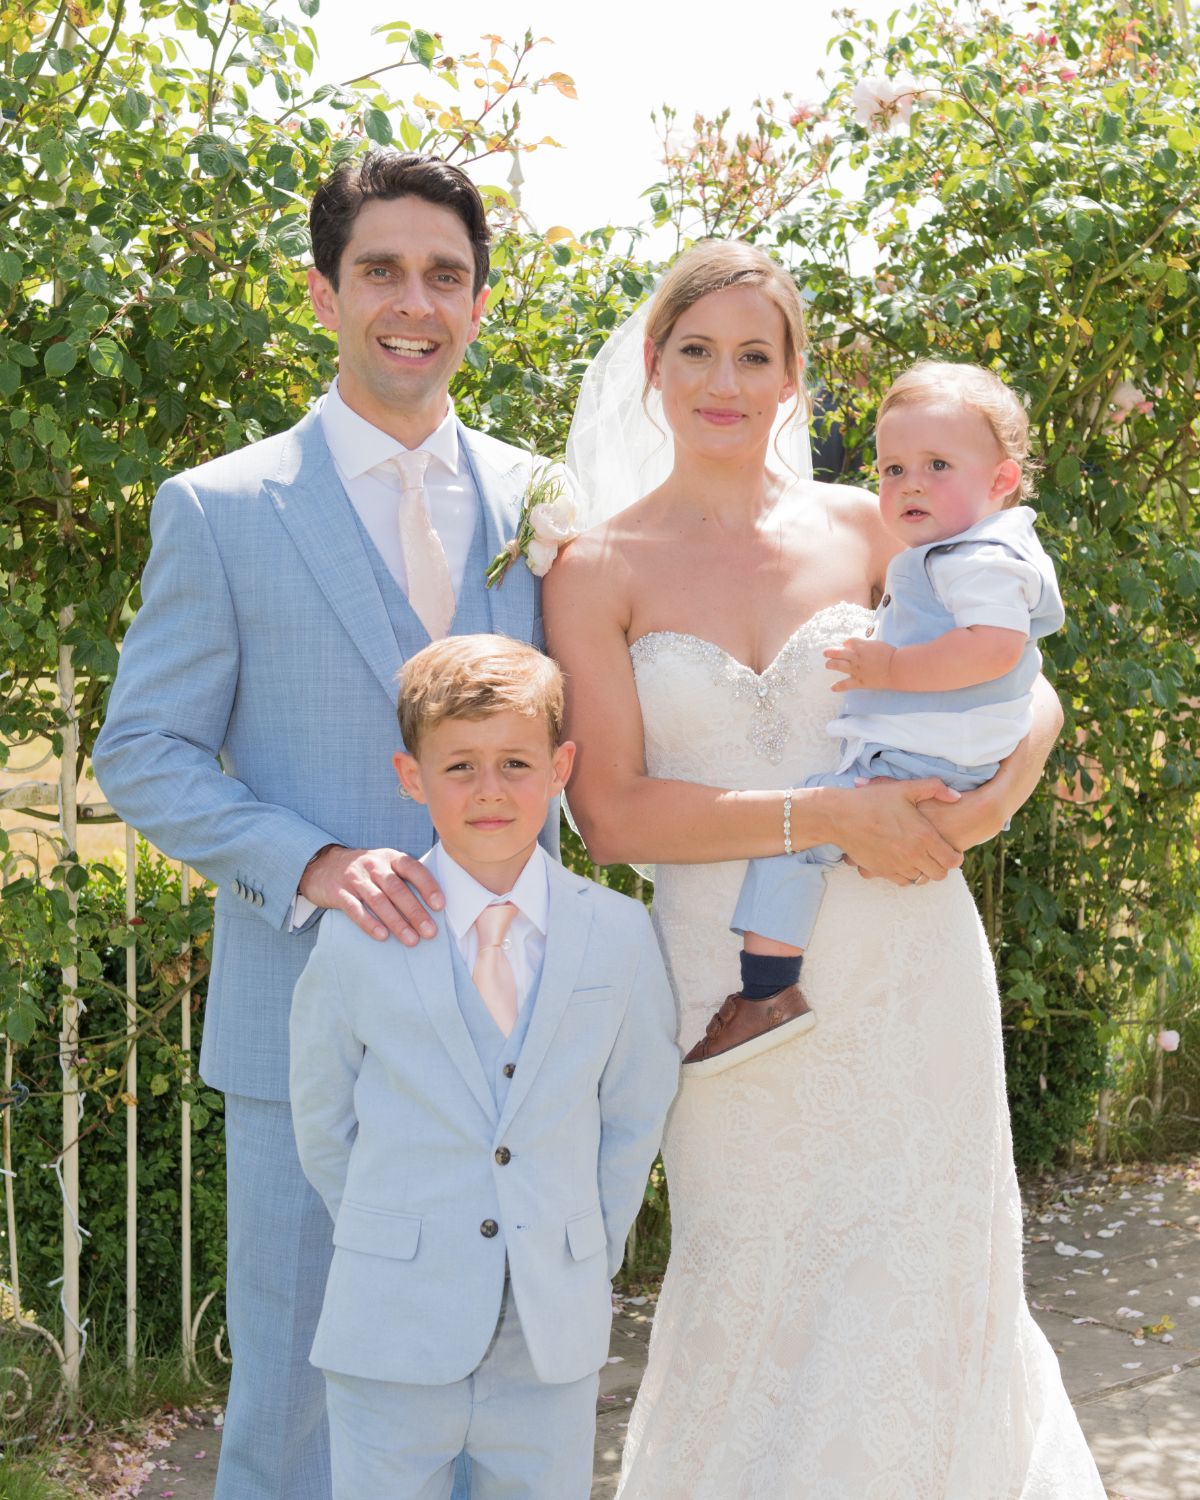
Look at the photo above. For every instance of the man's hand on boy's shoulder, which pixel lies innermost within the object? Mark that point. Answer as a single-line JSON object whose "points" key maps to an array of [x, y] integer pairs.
{"points": [[380, 890]]}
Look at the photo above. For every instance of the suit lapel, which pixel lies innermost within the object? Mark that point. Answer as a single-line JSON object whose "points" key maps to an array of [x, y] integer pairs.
{"points": [[570, 917], [432, 973], [501, 491], [309, 499]]}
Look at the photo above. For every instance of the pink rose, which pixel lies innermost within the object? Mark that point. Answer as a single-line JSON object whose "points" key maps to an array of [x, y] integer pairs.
{"points": [[1168, 1041]]}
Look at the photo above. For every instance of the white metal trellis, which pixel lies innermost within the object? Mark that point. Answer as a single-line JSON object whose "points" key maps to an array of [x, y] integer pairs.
{"points": [[61, 796]]}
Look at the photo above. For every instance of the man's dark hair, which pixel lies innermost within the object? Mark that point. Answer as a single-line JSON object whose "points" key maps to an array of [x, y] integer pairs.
{"points": [[388, 174]]}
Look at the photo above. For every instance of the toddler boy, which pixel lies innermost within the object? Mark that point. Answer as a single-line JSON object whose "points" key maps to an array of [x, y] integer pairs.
{"points": [[941, 684]]}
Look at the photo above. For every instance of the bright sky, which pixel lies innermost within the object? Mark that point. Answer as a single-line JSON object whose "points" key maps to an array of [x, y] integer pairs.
{"points": [[627, 58]]}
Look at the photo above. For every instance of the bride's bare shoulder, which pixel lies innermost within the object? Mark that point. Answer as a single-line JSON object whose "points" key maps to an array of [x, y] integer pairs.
{"points": [[844, 506], [595, 572], [608, 550]]}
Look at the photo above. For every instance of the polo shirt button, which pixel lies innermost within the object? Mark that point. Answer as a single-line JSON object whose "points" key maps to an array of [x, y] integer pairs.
{"points": [[885, 601], [509, 1069], [870, 630], [489, 1229], [503, 1156]]}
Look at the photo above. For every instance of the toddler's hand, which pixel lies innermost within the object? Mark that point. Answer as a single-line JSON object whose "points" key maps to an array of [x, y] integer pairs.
{"points": [[866, 664]]}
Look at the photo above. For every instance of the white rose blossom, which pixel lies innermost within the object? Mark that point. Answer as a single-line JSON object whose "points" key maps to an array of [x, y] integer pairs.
{"points": [[539, 556], [1127, 397], [549, 519], [879, 102]]}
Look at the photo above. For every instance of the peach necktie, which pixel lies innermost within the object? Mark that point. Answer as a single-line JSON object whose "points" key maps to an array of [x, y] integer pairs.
{"points": [[430, 591], [493, 974]]}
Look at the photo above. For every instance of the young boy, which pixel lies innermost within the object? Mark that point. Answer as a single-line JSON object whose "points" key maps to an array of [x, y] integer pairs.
{"points": [[479, 1113], [941, 684]]}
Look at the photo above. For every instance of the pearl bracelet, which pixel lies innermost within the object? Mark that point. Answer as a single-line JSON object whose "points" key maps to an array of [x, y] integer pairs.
{"points": [[787, 822]]}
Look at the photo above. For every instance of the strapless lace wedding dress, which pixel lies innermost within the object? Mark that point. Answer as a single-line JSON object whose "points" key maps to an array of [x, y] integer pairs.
{"points": [[843, 1316]]}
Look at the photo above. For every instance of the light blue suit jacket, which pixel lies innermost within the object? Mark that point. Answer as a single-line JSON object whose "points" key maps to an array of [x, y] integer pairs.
{"points": [[263, 639], [398, 1131]]}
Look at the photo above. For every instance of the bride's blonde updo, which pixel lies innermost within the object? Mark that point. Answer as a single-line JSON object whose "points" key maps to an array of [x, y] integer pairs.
{"points": [[713, 265]]}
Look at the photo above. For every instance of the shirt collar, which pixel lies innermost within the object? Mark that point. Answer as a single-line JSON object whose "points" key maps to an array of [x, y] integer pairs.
{"points": [[358, 446], [466, 898]]}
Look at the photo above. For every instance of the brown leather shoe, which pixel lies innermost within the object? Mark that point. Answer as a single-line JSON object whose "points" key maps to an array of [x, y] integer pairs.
{"points": [[743, 1028]]}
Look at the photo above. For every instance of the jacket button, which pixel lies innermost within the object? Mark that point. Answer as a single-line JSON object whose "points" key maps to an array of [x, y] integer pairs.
{"points": [[885, 601], [258, 898], [509, 1069], [489, 1229], [503, 1156], [238, 888]]}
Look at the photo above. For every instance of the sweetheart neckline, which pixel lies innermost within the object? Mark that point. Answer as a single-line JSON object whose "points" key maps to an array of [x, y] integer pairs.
{"points": [[687, 635]]}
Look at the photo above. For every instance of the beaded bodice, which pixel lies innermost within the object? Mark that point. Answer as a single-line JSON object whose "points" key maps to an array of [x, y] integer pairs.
{"points": [[708, 717]]}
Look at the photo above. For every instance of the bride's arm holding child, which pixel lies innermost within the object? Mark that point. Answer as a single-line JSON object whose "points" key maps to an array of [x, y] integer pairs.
{"points": [[895, 830], [624, 814]]}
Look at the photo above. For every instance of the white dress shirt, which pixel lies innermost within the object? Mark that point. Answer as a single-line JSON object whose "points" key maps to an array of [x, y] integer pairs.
{"points": [[466, 898], [359, 449]]}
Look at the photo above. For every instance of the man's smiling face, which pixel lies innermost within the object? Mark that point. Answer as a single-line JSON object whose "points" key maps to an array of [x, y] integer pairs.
{"points": [[404, 311]]}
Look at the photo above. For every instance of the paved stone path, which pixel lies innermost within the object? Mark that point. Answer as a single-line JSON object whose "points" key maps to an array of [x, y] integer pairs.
{"points": [[1112, 1267]]}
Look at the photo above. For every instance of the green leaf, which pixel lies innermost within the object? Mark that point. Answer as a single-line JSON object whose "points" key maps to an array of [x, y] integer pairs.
{"points": [[424, 47], [10, 267], [105, 358], [309, 7], [377, 126], [61, 359], [131, 108], [10, 378], [171, 410], [304, 57], [1066, 471]]}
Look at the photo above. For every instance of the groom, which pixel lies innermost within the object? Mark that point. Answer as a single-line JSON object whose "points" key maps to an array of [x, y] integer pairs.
{"points": [[286, 585]]}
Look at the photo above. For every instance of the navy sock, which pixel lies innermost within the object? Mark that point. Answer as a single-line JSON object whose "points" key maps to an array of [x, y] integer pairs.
{"points": [[765, 974]]}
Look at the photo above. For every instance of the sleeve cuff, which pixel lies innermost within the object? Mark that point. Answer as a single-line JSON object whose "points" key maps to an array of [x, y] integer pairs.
{"points": [[1000, 619]]}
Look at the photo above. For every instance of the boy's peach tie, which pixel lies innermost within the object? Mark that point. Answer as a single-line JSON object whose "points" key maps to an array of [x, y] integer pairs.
{"points": [[430, 591], [493, 974]]}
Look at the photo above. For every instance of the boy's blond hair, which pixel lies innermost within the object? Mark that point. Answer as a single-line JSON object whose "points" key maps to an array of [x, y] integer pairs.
{"points": [[473, 677], [979, 390]]}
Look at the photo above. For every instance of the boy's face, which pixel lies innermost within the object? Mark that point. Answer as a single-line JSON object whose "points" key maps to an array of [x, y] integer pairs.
{"points": [[487, 784], [940, 471]]}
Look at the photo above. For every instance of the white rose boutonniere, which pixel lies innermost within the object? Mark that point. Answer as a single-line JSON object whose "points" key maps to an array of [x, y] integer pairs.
{"points": [[549, 519]]}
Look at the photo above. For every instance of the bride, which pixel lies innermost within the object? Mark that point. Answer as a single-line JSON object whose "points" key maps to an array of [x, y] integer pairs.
{"points": [[843, 1315]]}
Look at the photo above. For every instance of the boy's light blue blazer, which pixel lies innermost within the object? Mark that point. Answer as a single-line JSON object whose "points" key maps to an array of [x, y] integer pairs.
{"points": [[432, 1189], [263, 638]]}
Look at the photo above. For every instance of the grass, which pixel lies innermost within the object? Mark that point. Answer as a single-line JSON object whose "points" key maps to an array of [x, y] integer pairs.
{"points": [[26, 1479], [52, 1452]]}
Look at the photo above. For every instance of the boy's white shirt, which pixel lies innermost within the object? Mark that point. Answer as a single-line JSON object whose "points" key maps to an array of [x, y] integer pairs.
{"points": [[466, 898], [1000, 590]]}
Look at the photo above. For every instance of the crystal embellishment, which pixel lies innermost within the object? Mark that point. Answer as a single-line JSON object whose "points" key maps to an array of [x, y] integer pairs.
{"points": [[769, 729]]}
